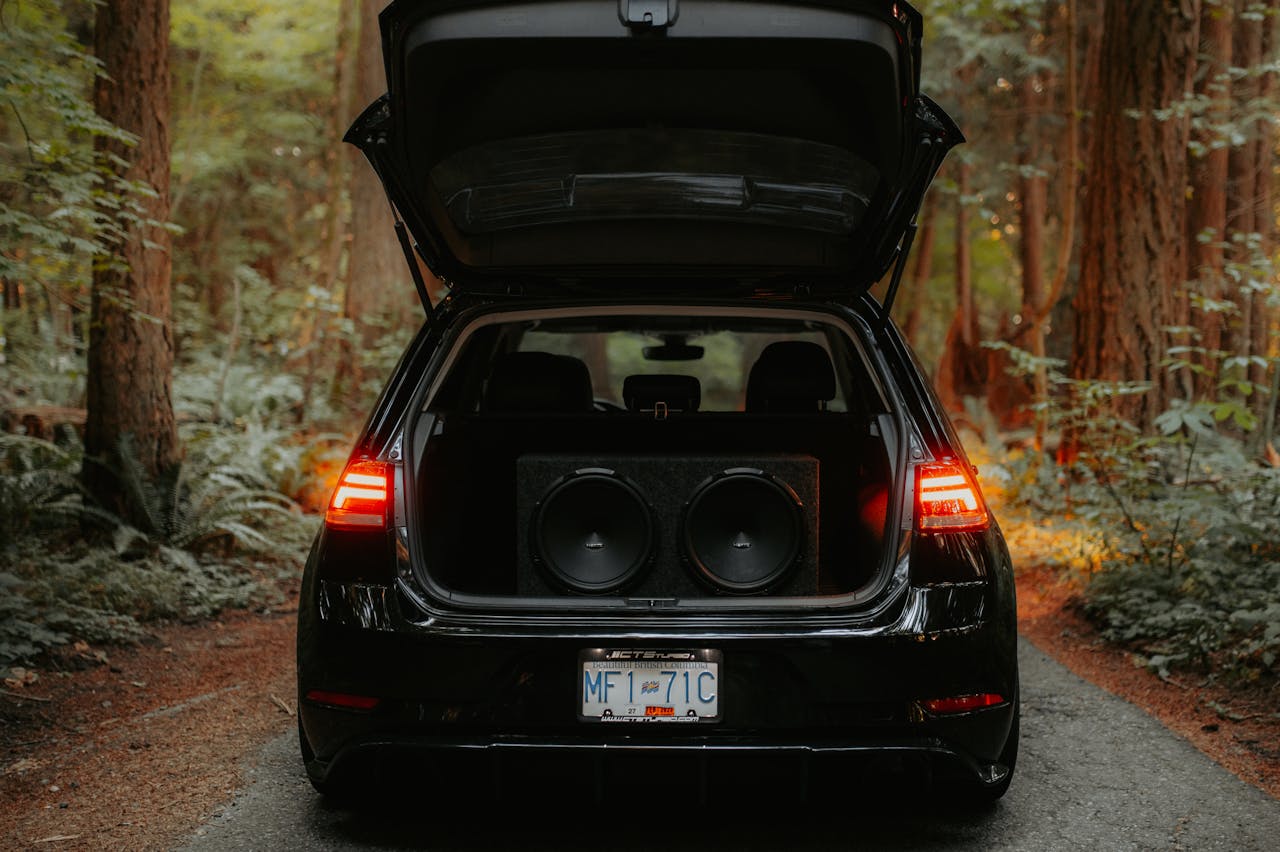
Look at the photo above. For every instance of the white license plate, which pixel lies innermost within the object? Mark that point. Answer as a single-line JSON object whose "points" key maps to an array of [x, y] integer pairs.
{"points": [[649, 686]]}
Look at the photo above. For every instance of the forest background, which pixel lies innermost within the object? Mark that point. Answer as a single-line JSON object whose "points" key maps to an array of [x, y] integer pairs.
{"points": [[1093, 283]]}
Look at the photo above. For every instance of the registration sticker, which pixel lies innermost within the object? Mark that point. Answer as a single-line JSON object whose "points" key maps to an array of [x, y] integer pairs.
{"points": [[617, 685]]}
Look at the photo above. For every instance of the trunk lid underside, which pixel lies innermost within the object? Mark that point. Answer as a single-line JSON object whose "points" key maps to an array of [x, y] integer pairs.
{"points": [[710, 145]]}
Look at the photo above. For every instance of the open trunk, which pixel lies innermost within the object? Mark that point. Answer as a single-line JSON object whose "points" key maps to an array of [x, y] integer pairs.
{"points": [[653, 457]]}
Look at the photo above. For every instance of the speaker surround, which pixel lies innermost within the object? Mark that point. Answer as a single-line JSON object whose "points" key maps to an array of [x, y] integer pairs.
{"points": [[592, 532], [742, 530], [570, 542]]}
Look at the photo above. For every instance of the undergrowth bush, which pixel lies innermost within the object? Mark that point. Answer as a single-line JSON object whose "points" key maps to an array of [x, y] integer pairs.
{"points": [[217, 533], [1176, 535]]}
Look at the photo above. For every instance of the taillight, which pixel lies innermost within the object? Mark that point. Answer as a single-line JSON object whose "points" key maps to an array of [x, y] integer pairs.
{"points": [[362, 498], [342, 699], [962, 703], [948, 499]]}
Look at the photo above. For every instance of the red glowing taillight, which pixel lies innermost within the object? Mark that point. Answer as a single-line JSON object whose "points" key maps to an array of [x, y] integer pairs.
{"points": [[342, 699], [962, 703], [948, 499], [362, 498]]}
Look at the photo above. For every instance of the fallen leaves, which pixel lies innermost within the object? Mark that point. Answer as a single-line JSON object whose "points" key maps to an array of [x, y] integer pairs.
{"points": [[19, 677]]}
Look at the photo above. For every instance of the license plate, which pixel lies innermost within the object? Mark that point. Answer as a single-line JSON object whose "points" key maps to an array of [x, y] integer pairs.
{"points": [[649, 686]]}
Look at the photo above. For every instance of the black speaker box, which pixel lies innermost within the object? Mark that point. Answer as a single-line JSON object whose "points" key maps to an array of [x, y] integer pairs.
{"points": [[667, 526]]}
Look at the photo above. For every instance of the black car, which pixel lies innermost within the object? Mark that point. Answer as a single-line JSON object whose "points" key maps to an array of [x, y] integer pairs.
{"points": [[657, 500]]}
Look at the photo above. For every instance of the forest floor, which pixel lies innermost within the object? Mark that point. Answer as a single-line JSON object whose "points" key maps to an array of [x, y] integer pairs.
{"points": [[133, 748]]}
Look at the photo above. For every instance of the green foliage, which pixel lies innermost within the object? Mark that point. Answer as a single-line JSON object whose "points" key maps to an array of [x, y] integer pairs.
{"points": [[39, 489], [1177, 534], [194, 503], [105, 592], [51, 181], [192, 559]]}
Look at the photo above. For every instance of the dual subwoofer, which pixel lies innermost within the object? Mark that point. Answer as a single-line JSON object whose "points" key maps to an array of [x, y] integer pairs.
{"points": [[666, 527]]}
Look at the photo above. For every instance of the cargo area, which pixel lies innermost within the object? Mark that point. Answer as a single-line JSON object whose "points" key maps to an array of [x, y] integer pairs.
{"points": [[477, 461], [664, 455]]}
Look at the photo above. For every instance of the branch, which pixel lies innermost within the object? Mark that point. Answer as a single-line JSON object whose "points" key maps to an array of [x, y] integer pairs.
{"points": [[26, 134]]}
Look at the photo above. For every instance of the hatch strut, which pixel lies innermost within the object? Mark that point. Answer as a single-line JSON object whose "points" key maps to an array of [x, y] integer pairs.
{"points": [[410, 256], [898, 268]]}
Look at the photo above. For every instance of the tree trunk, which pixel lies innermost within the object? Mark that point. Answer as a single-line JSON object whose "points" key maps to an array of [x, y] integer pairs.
{"points": [[1135, 216], [335, 233], [379, 294], [1033, 194], [1207, 210], [1242, 181], [1264, 142], [922, 270], [130, 363], [962, 371]]}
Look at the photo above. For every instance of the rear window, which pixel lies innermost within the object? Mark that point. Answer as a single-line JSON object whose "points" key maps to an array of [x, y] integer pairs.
{"points": [[655, 174], [734, 363]]}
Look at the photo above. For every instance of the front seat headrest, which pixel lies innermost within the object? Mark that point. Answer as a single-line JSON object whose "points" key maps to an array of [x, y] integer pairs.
{"points": [[538, 382], [791, 377], [645, 392]]}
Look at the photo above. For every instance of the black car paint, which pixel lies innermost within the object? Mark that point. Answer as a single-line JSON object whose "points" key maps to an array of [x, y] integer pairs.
{"points": [[460, 686], [383, 134], [452, 679]]}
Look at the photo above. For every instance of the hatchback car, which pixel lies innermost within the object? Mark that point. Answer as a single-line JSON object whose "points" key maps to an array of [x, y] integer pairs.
{"points": [[657, 499]]}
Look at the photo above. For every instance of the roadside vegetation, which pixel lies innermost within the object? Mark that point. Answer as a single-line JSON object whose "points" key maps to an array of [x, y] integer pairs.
{"points": [[1151, 482]]}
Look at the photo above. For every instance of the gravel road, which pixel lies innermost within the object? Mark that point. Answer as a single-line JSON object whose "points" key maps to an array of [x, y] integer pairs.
{"points": [[1094, 773]]}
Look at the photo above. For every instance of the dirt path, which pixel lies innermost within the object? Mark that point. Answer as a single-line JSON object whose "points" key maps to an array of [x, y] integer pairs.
{"points": [[136, 752], [1237, 727]]}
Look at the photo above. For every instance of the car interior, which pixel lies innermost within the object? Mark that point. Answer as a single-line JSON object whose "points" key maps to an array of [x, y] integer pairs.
{"points": [[662, 388]]}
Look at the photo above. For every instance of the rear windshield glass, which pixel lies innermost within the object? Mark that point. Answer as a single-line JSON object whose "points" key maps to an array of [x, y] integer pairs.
{"points": [[655, 173], [690, 363]]}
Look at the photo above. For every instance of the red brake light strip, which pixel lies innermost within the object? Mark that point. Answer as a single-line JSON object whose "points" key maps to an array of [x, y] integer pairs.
{"points": [[362, 497], [948, 499]]}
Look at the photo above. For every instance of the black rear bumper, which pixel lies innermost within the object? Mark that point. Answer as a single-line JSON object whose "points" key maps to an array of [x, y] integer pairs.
{"points": [[690, 771]]}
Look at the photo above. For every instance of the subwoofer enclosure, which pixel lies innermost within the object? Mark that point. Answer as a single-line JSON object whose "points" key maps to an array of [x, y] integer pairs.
{"points": [[717, 525]]}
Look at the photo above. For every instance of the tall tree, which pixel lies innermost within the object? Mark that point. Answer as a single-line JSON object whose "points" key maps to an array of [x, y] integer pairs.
{"points": [[130, 363], [922, 270], [1134, 218], [1207, 211], [378, 292], [1250, 213]]}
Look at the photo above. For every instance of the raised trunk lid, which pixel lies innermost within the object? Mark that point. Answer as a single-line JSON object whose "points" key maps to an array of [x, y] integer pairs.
{"points": [[646, 144]]}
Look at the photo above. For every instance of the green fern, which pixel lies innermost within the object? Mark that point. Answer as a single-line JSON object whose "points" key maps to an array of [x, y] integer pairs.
{"points": [[40, 488], [194, 503]]}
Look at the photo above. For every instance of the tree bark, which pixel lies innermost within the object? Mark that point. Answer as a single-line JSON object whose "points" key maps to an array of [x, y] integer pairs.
{"points": [[379, 294], [1207, 209], [922, 269], [130, 359], [1260, 331], [1033, 194], [962, 370], [1135, 216]]}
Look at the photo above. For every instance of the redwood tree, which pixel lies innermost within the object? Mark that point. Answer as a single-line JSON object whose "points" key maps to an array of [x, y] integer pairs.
{"points": [[130, 358], [1134, 219], [379, 291], [1207, 212]]}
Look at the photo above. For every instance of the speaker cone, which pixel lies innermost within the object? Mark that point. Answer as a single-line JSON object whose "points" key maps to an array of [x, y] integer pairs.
{"points": [[743, 530], [592, 532]]}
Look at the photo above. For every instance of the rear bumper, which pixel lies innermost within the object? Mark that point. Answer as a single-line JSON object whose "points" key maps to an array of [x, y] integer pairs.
{"points": [[502, 713], [692, 770], [800, 701]]}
